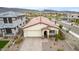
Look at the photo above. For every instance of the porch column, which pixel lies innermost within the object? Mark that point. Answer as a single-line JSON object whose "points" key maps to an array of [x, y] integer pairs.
{"points": [[42, 33], [48, 34], [3, 32]]}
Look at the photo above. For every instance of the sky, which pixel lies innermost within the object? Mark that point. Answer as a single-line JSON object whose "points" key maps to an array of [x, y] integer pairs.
{"points": [[61, 5]]}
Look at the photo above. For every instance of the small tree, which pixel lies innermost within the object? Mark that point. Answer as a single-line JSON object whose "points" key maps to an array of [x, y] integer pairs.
{"points": [[56, 37], [60, 36], [60, 26]]}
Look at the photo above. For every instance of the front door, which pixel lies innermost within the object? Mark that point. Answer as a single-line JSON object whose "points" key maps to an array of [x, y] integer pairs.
{"points": [[8, 31], [45, 34]]}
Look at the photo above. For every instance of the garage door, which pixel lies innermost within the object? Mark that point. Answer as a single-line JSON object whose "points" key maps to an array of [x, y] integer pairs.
{"points": [[32, 33]]}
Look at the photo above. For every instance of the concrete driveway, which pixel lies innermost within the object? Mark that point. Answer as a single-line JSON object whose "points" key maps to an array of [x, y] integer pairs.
{"points": [[31, 44], [38, 44]]}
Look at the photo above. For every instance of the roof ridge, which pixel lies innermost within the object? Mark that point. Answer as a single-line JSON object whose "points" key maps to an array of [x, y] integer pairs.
{"points": [[40, 20]]}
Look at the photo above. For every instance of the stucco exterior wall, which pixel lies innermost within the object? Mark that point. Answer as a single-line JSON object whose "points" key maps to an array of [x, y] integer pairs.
{"points": [[36, 30], [1, 21]]}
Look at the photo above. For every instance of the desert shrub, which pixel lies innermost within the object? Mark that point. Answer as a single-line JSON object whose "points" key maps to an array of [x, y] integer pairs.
{"points": [[18, 41], [60, 26], [56, 37], [67, 31], [60, 49]]}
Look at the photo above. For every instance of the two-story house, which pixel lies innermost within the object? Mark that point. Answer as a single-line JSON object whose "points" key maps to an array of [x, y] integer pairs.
{"points": [[70, 16], [10, 22]]}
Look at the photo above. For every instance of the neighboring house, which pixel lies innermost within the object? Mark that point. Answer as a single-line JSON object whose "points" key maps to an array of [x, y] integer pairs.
{"points": [[10, 22], [70, 17], [40, 27]]}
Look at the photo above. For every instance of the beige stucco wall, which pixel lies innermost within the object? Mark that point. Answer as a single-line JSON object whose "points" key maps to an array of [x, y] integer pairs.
{"points": [[35, 31]]}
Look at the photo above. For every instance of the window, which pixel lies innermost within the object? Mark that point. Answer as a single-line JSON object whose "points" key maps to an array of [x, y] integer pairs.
{"points": [[72, 16], [16, 18], [20, 24], [5, 20], [23, 22], [52, 31], [10, 20], [17, 26], [21, 18], [26, 21], [8, 31]]}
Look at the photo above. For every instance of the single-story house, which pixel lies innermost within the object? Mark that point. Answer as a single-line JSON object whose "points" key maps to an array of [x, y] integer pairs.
{"points": [[40, 27]]}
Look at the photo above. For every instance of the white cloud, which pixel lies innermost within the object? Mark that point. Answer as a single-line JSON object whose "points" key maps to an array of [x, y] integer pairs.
{"points": [[38, 3]]}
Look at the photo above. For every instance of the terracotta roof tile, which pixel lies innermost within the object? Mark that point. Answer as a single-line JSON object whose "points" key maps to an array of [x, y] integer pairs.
{"points": [[40, 20]]}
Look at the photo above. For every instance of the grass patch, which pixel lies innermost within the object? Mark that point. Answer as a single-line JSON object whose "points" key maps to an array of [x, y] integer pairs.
{"points": [[3, 43]]}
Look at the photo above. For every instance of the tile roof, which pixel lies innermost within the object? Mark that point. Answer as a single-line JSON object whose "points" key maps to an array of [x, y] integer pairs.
{"points": [[40, 20], [10, 14]]}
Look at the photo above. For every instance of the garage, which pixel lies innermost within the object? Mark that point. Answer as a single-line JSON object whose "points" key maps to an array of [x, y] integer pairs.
{"points": [[32, 33]]}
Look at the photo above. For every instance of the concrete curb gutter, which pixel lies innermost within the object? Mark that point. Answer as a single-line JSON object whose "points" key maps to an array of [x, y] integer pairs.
{"points": [[76, 35]]}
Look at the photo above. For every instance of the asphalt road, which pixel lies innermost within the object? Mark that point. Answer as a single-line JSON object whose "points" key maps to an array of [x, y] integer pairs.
{"points": [[72, 40], [72, 28]]}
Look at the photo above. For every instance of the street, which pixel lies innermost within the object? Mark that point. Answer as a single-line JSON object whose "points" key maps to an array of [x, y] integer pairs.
{"points": [[72, 41], [72, 28]]}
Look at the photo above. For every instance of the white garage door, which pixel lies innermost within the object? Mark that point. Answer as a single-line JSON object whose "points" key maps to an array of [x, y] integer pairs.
{"points": [[32, 33]]}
